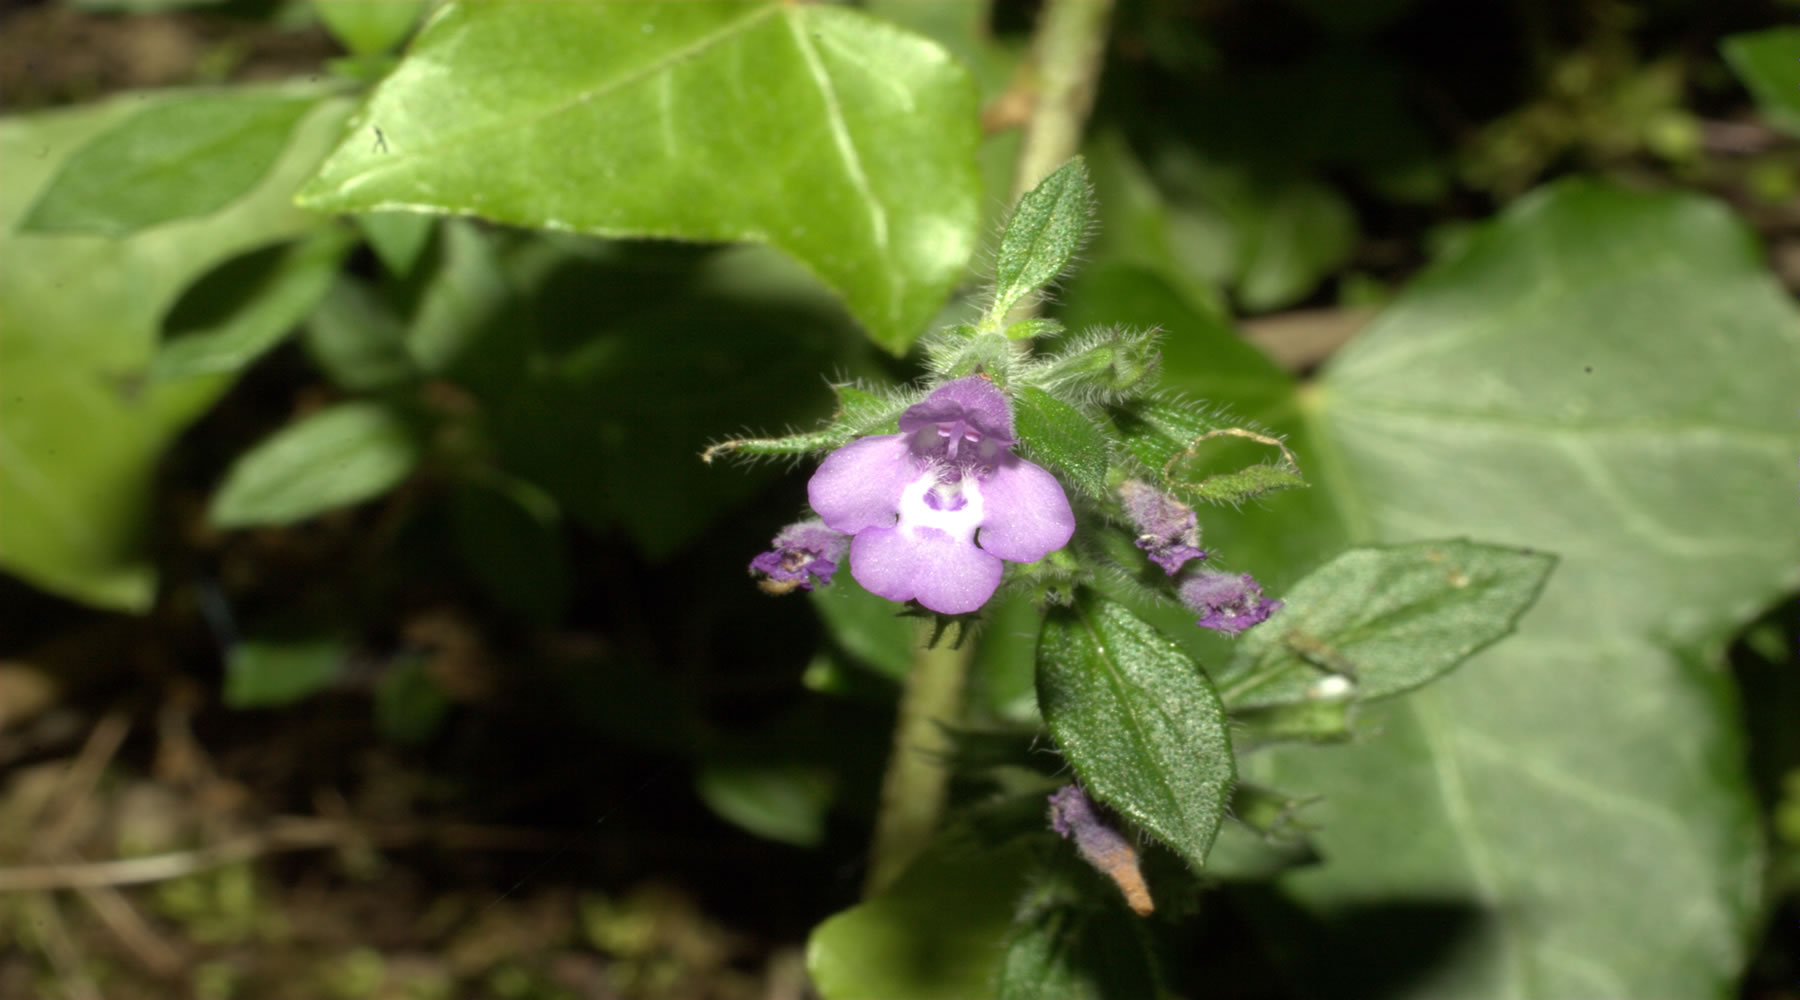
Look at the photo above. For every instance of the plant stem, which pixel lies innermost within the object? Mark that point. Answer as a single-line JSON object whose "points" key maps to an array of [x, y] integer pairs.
{"points": [[913, 790], [1067, 51]]}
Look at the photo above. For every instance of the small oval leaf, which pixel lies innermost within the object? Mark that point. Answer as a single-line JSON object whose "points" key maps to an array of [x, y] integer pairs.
{"points": [[1378, 621], [336, 457], [1139, 722], [170, 161], [1043, 235]]}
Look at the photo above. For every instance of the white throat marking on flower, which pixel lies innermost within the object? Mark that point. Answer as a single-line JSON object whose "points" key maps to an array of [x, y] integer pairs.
{"points": [[960, 523]]}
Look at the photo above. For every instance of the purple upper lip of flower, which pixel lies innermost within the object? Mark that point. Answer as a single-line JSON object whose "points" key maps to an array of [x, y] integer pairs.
{"points": [[938, 506]]}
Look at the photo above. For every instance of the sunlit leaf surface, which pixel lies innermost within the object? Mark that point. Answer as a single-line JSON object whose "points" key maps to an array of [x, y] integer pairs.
{"points": [[837, 138]]}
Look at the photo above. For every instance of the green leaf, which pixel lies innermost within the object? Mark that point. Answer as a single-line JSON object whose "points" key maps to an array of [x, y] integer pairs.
{"points": [[934, 935], [1061, 437], [177, 158], [1324, 719], [243, 309], [1290, 239], [1219, 220], [1138, 721], [1042, 236], [780, 802], [1181, 443], [854, 152], [462, 322], [341, 455], [596, 322], [1004, 674], [1262, 839], [398, 238], [870, 628], [1768, 63], [1374, 622], [1573, 382], [1065, 945], [509, 537], [270, 673], [358, 340], [368, 28], [80, 429], [409, 706]]}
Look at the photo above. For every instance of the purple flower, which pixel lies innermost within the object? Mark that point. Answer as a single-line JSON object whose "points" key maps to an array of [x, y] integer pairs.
{"points": [[1072, 814], [1167, 529], [1226, 603], [936, 507], [803, 551]]}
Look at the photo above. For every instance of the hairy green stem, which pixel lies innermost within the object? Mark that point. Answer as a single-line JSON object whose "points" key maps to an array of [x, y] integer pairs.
{"points": [[912, 792], [1067, 51]]}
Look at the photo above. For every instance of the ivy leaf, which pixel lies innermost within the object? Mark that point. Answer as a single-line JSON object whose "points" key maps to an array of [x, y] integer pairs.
{"points": [[854, 151], [338, 456], [1571, 382], [1062, 438], [180, 157], [1043, 235], [1374, 622], [80, 330], [1138, 721]]}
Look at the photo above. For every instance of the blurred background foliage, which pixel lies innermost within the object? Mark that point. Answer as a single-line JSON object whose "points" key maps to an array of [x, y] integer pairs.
{"points": [[378, 545]]}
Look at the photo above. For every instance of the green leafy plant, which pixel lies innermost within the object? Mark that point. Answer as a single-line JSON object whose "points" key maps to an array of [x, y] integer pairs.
{"points": [[1401, 658]]}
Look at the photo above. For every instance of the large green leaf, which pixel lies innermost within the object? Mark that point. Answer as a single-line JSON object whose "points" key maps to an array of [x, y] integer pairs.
{"points": [[839, 139], [1138, 721], [79, 430], [1567, 815]]}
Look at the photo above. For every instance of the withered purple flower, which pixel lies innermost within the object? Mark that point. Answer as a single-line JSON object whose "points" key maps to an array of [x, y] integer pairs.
{"points": [[938, 506], [1072, 814], [1226, 602], [1168, 532], [804, 552]]}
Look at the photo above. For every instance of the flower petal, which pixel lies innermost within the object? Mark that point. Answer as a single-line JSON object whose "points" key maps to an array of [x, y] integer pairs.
{"points": [[859, 485], [942, 573], [974, 400], [1027, 515]]}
